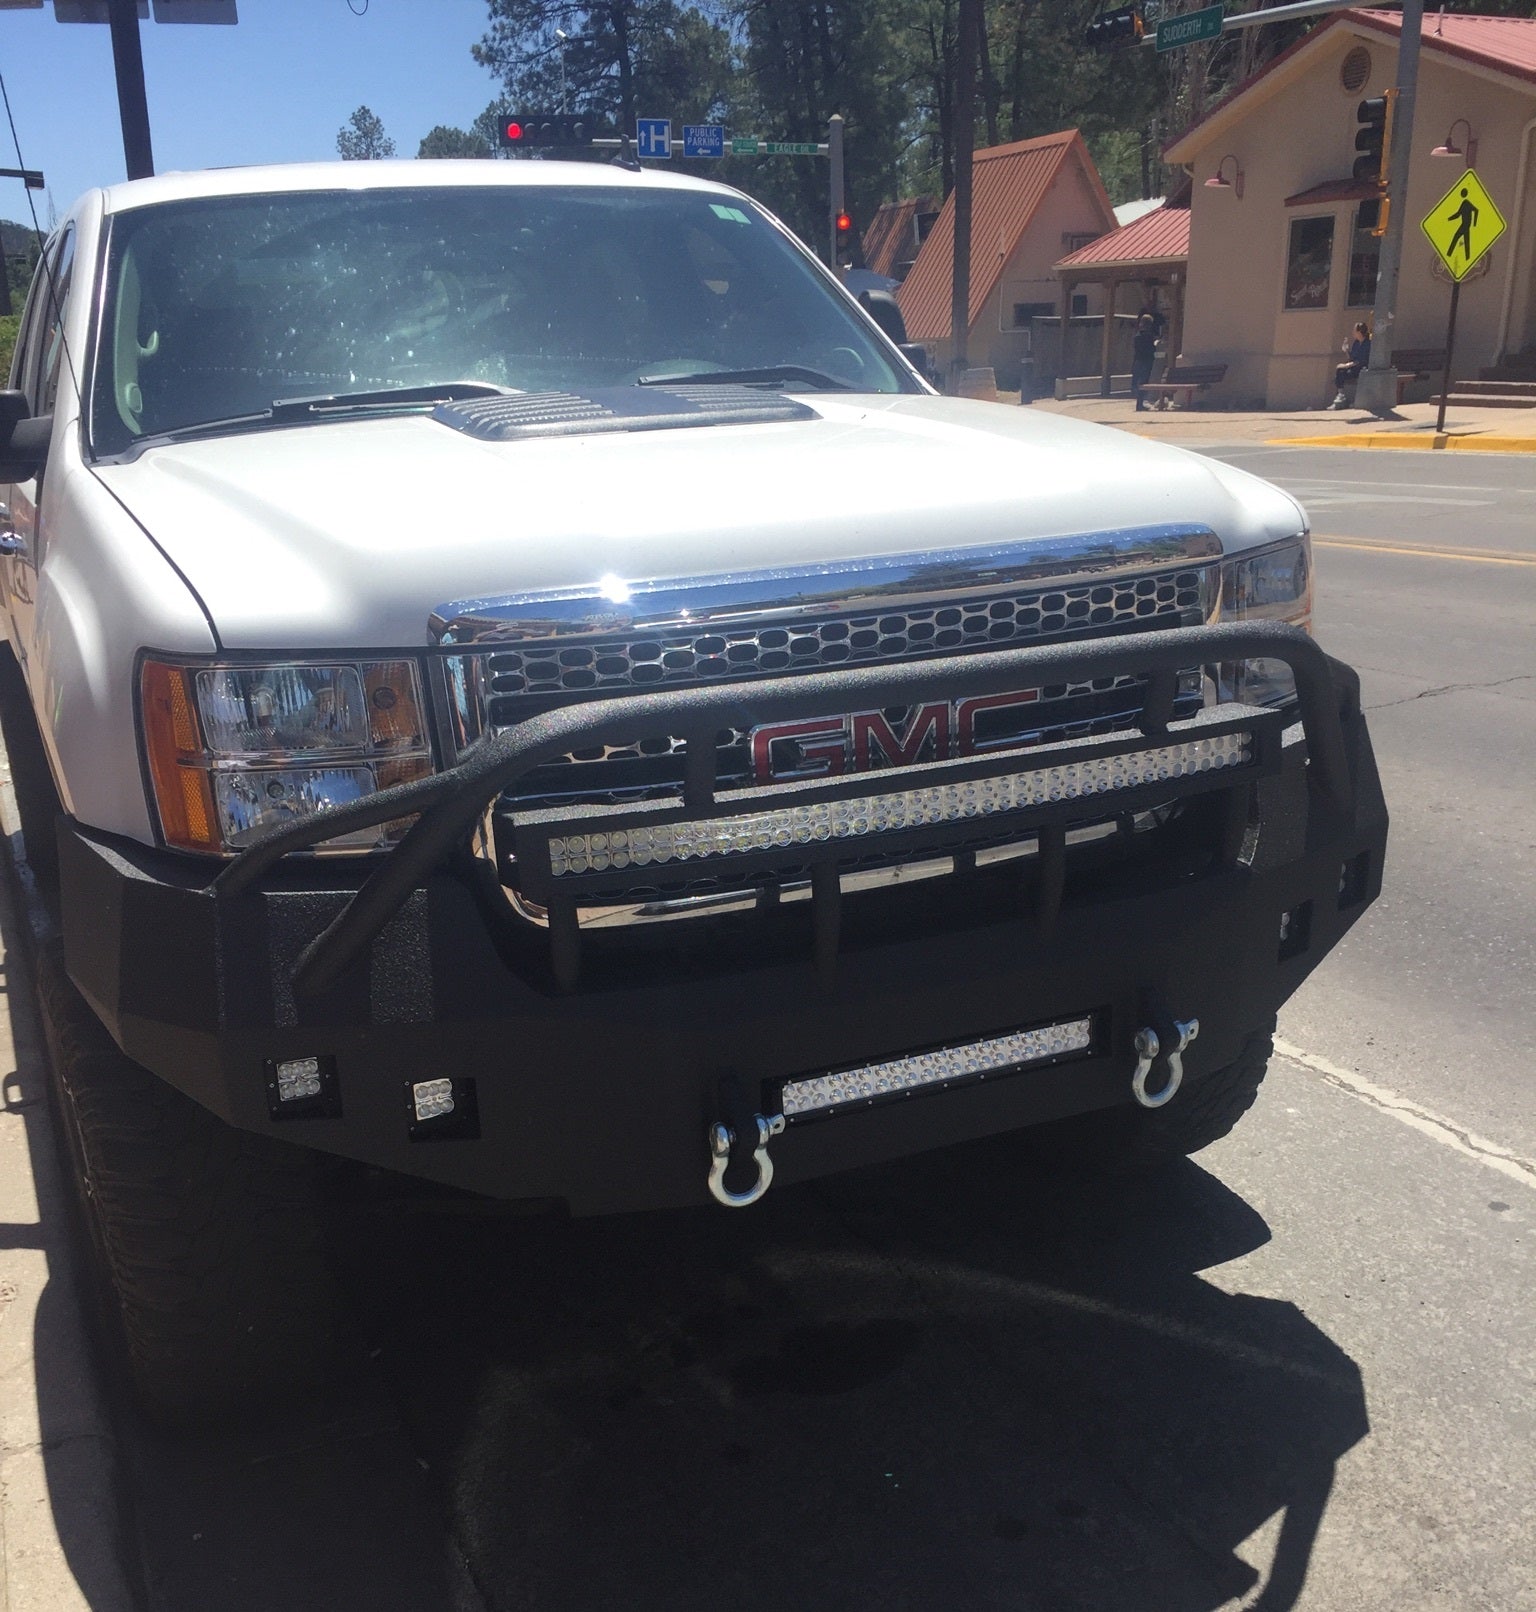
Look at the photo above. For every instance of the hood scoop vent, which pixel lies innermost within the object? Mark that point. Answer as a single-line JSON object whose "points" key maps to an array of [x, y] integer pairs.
{"points": [[616, 408]]}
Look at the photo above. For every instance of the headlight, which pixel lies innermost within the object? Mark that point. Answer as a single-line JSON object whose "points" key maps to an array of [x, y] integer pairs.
{"points": [[234, 751], [1270, 584]]}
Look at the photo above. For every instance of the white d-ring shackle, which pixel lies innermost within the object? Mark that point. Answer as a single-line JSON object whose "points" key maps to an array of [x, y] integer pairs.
{"points": [[721, 1140], [1147, 1049]]}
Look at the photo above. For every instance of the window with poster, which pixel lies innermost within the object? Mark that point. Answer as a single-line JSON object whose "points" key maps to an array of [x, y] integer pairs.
{"points": [[1309, 263]]}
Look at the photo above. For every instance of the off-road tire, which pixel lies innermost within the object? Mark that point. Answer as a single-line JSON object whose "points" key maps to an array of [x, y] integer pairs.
{"points": [[210, 1276], [1207, 1109]]}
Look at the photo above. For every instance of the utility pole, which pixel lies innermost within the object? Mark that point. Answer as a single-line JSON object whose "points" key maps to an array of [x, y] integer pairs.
{"points": [[965, 141], [1376, 389], [133, 104], [835, 193]]}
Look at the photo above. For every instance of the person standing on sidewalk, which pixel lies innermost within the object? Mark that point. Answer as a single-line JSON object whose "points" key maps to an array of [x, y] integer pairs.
{"points": [[1143, 356]]}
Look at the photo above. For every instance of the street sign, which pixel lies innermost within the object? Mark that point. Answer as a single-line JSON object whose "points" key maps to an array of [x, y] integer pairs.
{"points": [[1463, 224], [653, 137], [703, 140], [744, 146], [1189, 28], [791, 148]]}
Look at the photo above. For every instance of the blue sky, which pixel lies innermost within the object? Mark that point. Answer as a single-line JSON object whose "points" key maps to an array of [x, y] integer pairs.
{"points": [[274, 88]]}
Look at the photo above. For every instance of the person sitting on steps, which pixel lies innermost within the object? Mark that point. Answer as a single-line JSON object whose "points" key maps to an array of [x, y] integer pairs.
{"points": [[1358, 347]]}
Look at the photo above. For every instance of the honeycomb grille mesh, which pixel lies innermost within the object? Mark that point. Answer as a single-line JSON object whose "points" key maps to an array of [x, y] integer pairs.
{"points": [[719, 654]]}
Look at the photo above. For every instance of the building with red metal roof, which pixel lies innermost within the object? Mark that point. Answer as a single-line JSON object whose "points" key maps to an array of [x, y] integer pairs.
{"points": [[895, 233], [1031, 200], [1282, 261], [1150, 254]]}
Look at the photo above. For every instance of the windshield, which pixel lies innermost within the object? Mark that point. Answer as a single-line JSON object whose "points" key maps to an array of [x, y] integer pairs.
{"points": [[216, 308]]}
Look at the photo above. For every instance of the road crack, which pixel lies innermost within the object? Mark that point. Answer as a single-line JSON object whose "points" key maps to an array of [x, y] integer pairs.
{"points": [[1451, 688], [1448, 1132]]}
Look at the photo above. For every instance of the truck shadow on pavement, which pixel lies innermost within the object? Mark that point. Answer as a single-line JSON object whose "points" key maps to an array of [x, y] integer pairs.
{"points": [[980, 1379]]}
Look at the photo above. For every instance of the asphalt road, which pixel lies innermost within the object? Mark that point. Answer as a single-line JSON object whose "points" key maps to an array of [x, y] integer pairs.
{"points": [[1296, 1373]]}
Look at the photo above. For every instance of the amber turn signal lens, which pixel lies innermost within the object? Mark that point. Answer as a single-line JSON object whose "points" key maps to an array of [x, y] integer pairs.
{"points": [[175, 752]]}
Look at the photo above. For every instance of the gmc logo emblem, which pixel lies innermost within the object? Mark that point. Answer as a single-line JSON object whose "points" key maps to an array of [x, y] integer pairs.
{"points": [[863, 741]]}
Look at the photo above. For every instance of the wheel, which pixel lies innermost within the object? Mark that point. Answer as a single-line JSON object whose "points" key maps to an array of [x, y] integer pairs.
{"points": [[205, 1240], [1207, 1109]]}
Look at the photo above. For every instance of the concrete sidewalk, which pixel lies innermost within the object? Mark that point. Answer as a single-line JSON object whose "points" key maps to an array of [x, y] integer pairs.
{"points": [[1477, 430]]}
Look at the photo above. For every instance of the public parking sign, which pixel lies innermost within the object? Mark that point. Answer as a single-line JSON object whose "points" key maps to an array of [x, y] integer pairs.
{"points": [[1463, 224], [703, 140], [653, 137]]}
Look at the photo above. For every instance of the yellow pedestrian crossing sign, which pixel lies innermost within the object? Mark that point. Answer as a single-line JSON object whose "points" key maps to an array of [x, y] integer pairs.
{"points": [[1463, 224]]}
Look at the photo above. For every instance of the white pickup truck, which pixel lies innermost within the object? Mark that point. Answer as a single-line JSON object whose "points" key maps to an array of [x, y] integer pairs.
{"points": [[513, 678]]}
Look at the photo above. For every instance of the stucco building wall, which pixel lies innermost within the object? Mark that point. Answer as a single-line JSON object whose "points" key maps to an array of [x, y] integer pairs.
{"points": [[1301, 134]]}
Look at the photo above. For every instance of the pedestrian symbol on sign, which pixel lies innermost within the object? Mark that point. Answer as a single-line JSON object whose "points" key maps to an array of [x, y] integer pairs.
{"points": [[1464, 218]]}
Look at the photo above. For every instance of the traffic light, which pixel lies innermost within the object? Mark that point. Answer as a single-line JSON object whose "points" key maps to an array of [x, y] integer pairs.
{"points": [[844, 227], [1112, 30], [542, 129], [1373, 139]]}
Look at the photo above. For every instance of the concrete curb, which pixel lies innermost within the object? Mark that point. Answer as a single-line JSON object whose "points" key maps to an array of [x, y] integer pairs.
{"points": [[1434, 441], [61, 1516]]}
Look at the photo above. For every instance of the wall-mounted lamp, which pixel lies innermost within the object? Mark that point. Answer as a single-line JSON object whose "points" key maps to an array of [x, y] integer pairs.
{"points": [[1467, 150], [1219, 181]]}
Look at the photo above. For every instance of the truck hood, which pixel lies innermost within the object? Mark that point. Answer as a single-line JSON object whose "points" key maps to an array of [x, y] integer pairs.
{"points": [[349, 534]]}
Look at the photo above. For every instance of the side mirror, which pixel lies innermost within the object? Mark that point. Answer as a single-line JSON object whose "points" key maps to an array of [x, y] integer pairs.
{"points": [[23, 440], [883, 308], [917, 356]]}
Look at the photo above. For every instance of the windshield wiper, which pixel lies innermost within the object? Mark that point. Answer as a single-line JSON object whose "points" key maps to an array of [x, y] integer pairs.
{"points": [[769, 375], [379, 397]]}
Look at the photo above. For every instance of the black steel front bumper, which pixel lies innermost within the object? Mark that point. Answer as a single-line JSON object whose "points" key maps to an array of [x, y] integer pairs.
{"points": [[590, 1068]]}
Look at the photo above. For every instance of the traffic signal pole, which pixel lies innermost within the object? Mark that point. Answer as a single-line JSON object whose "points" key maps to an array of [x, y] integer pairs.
{"points": [[1376, 389], [835, 154]]}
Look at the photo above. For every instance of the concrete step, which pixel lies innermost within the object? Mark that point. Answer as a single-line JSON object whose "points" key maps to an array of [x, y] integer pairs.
{"points": [[1481, 400], [1499, 388]]}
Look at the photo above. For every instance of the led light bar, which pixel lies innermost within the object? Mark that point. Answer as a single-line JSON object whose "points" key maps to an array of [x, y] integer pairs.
{"points": [[913, 808], [971, 1061], [431, 1099], [298, 1079]]}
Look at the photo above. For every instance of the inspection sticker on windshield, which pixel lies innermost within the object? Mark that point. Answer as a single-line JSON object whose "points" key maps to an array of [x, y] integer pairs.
{"points": [[733, 214]]}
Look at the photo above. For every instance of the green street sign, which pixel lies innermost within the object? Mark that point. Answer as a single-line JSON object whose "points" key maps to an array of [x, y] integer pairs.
{"points": [[791, 148], [1192, 27], [744, 146]]}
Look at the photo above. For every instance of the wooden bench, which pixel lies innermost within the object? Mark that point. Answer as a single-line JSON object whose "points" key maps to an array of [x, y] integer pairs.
{"points": [[1417, 364], [1184, 380]]}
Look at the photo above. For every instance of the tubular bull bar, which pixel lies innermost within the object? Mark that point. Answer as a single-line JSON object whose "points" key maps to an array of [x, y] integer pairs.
{"points": [[1033, 790]]}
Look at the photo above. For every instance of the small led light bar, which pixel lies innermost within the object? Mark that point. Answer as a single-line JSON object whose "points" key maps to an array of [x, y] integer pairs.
{"points": [[302, 1088], [971, 1060], [298, 1079], [443, 1109], [913, 808], [431, 1099]]}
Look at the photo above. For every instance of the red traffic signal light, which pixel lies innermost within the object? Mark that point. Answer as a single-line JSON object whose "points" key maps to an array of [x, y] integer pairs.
{"points": [[844, 223], [545, 129]]}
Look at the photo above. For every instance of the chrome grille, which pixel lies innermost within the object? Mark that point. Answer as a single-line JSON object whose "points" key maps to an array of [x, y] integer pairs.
{"points": [[720, 652]]}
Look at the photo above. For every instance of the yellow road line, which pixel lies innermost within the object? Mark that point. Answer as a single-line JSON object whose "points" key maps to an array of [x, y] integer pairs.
{"points": [[1426, 553]]}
